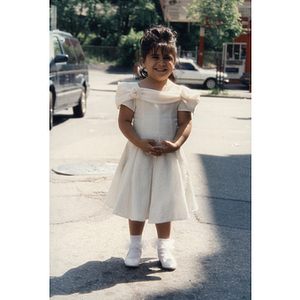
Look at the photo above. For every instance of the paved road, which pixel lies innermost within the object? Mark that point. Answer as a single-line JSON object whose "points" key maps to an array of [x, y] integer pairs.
{"points": [[212, 248]]}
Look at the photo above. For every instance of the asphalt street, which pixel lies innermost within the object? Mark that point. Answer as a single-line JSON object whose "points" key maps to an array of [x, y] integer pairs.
{"points": [[87, 243]]}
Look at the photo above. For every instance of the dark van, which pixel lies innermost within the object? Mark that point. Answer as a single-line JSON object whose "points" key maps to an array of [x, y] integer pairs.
{"points": [[69, 78]]}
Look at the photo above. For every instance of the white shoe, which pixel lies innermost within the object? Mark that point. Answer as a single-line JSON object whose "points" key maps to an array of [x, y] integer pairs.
{"points": [[167, 260], [133, 256]]}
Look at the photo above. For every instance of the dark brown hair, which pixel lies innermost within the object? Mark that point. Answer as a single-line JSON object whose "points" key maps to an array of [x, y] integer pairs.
{"points": [[155, 38]]}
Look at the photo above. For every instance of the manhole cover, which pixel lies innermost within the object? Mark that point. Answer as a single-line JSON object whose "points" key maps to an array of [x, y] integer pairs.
{"points": [[86, 168]]}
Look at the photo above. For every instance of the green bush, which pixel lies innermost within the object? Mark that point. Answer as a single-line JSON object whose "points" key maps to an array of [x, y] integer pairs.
{"points": [[127, 48]]}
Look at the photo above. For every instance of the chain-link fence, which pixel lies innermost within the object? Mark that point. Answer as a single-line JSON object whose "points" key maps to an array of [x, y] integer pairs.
{"points": [[210, 59], [100, 54], [188, 53]]}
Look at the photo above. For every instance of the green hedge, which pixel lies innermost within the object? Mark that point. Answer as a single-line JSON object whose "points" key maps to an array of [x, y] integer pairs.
{"points": [[128, 46]]}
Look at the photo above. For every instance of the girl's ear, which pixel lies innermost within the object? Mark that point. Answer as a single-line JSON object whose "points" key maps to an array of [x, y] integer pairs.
{"points": [[143, 62]]}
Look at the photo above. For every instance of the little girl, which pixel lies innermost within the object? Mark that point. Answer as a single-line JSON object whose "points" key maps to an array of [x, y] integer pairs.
{"points": [[152, 180]]}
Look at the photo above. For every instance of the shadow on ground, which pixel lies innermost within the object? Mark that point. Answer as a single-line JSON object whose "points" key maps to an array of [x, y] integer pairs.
{"points": [[228, 271], [98, 275], [61, 118], [228, 176]]}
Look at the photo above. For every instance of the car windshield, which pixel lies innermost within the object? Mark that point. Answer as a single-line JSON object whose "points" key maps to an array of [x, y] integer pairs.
{"points": [[186, 66]]}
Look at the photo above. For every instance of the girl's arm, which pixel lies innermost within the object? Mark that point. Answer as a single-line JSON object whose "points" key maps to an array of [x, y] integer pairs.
{"points": [[125, 125], [183, 131]]}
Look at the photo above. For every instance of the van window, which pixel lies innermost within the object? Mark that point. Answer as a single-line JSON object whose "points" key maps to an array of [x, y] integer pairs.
{"points": [[68, 49], [78, 51], [56, 46]]}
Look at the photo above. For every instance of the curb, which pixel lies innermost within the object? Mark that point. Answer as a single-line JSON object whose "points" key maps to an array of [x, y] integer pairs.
{"points": [[227, 96], [102, 90]]}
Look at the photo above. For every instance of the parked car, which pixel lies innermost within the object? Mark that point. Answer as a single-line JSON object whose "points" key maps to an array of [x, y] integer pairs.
{"points": [[68, 75], [246, 79], [189, 72]]}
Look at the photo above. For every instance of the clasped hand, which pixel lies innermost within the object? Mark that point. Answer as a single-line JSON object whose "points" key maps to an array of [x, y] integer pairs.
{"points": [[149, 146]]}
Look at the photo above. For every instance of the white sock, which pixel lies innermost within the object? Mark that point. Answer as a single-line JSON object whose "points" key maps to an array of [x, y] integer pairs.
{"points": [[134, 239]]}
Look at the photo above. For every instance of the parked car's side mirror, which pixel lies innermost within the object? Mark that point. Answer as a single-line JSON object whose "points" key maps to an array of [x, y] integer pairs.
{"points": [[61, 58]]}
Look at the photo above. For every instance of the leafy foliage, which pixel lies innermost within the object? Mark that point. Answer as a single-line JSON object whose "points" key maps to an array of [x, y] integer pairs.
{"points": [[75, 16], [128, 46], [119, 23], [105, 18], [221, 19]]}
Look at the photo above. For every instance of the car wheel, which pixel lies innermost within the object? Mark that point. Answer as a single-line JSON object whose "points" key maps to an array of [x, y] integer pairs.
{"points": [[210, 83], [50, 110], [80, 110]]}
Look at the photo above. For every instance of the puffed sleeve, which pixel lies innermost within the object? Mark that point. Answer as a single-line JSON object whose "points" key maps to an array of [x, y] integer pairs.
{"points": [[126, 94], [189, 99]]}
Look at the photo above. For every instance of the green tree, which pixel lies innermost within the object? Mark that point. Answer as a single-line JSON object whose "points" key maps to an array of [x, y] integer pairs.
{"points": [[104, 25], [75, 16], [187, 35], [136, 14], [105, 20], [221, 18]]}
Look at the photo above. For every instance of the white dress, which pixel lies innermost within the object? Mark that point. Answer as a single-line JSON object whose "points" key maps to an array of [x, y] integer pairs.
{"points": [[144, 186]]}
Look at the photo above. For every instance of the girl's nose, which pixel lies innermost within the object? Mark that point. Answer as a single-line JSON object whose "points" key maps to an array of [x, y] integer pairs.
{"points": [[161, 61]]}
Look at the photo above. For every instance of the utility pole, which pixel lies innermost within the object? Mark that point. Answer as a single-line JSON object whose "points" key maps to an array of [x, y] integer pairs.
{"points": [[53, 17], [201, 46]]}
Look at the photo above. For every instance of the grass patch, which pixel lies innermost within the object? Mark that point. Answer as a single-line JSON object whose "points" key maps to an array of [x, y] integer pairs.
{"points": [[218, 91]]}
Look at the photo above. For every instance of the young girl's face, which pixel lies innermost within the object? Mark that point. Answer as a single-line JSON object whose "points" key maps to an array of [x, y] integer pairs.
{"points": [[159, 65]]}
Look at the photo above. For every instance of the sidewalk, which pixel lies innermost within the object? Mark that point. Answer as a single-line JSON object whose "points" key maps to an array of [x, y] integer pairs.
{"points": [[105, 78]]}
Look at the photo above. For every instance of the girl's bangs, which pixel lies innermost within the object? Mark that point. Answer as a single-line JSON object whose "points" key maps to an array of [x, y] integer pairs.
{"points": [[165, 49]]}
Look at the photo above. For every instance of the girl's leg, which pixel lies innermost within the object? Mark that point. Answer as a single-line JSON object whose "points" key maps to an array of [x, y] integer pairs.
{"points": [[165, 245], [136, 228], [135, 247], [163, 230]]}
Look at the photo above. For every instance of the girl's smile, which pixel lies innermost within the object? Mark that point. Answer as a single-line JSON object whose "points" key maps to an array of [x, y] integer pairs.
{"points": [[159, 65]]}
